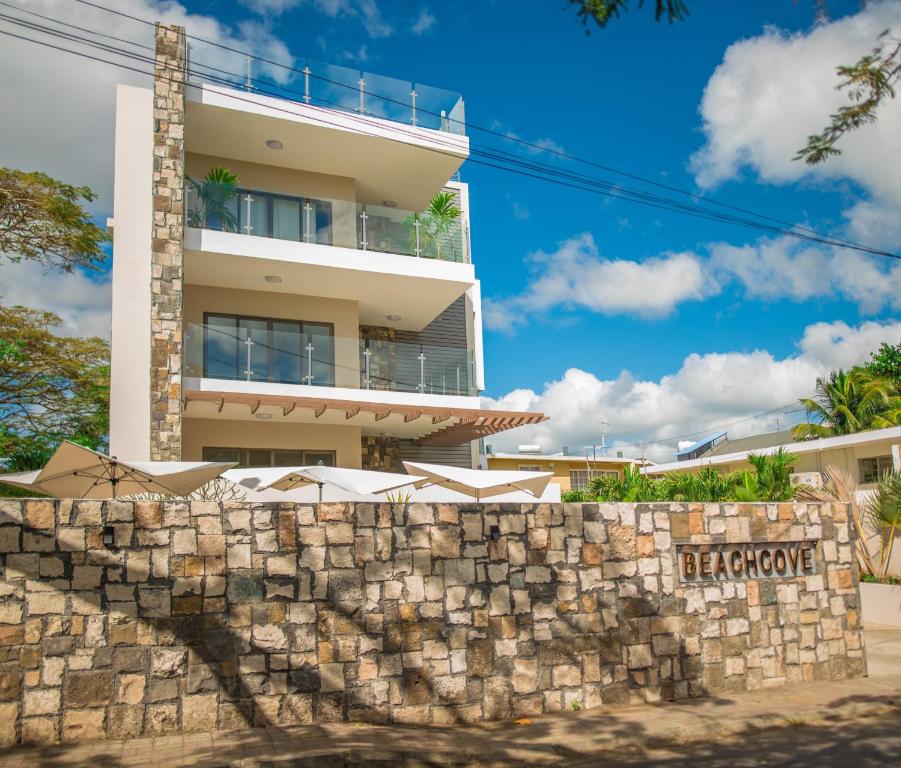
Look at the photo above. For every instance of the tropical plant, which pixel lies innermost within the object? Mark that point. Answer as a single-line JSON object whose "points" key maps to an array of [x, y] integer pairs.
{"points": [[883, 513], [848, 402], [42, 219], [770, 480], [213, 196], [838, 485], [436, 222], [885, 363]]}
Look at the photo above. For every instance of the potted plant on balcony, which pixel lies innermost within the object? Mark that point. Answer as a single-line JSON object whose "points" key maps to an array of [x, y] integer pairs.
{"points": [[435, 223], [213, 198]]}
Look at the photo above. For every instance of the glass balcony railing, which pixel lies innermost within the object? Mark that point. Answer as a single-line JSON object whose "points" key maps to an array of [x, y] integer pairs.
{"points": [[342, 223], [308, 81], [294, 352]]}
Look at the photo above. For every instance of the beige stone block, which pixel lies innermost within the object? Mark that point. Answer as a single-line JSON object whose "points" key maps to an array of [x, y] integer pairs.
{"points": [[40, 730], [41, 701], [43, 603], [83, 724], [40, 514], [184, 541], [131, 689], [199, 713], [281, 566]]}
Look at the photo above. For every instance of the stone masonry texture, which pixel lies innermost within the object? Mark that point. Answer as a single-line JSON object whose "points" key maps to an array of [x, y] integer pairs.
{"points": [[167, 246], [203, 615]]}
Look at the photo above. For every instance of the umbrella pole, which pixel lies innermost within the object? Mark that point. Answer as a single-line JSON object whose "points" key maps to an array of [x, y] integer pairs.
{"points": [[114, 478], [320, 491]]}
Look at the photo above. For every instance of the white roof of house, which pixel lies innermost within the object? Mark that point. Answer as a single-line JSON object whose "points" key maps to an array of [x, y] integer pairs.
{"points": [[527, 457], [805, 446]]}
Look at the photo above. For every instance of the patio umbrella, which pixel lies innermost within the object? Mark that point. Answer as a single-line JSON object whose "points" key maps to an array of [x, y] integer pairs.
{"points": [[479, 483], [80, 473], [359, 481]]}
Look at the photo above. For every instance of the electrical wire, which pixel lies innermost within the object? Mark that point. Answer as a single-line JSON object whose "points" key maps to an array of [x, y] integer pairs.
{"points": [[534, 169]]}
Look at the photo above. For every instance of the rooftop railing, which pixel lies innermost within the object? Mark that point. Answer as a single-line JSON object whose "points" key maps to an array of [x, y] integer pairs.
{"points": [[325, 221], [314, 82], [293, 352]]}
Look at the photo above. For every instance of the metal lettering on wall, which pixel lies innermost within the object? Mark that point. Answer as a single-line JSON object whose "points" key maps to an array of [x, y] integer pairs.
{"points": [[732, 562]]}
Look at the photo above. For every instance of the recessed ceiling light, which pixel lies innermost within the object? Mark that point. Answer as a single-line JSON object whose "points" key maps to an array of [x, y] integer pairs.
{"points": [[274, 144], [389, 203], [392, 318], [263, 416], [272, 279]]}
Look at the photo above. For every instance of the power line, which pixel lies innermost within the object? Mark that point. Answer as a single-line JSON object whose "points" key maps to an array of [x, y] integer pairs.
{"points": [[507, 137], [786, 409], [540, 172]]}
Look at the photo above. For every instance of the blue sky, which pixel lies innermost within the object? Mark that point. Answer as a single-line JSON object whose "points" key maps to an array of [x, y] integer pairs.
{"points": [[627, 96], [656, 312]]}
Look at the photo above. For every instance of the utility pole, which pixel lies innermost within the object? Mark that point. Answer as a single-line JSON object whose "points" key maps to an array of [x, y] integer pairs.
{"points": [[604, 425]]}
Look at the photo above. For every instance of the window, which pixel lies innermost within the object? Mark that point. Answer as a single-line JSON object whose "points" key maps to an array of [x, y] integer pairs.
{"points": [[261, 349], [872, 469], [270, 457], [579, 478], [285, 218], [529, 468]]}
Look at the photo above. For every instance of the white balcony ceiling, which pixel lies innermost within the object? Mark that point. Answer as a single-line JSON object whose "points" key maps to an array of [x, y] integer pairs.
{"points": [[390, 161], [415, 289]]}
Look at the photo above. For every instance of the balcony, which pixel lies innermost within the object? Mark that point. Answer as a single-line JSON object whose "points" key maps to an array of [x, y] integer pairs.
{"points": [[340, 223], [291, 357]]}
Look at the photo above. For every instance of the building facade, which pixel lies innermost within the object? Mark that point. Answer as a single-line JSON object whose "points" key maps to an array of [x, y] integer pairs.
{"points": [[570, 472], [292, 279]]}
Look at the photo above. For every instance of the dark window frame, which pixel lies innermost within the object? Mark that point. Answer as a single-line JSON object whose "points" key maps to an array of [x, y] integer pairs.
{"points": [[269, 321], [271, 451], [270, 215]]}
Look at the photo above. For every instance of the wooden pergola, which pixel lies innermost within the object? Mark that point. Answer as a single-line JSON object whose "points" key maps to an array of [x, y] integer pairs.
{"points": [[452, 426]]}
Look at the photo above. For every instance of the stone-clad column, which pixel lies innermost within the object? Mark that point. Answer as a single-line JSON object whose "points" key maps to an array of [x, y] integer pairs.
{"points": [[167, 248]]}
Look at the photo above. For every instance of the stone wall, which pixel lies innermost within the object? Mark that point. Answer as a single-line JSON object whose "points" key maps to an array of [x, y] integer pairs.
{"points": [[381, 454], [196, 616], [167, 247]]}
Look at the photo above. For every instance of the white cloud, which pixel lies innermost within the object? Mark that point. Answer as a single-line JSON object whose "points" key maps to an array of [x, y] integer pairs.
{"points": [[366, 11], [63, 120], [81, 300], [423, 23], [707, 391], [576, 276], [772, 91]]}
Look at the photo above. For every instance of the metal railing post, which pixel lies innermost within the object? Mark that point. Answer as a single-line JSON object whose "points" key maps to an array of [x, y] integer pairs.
{"points": [[306, 83], [421, 370], [413, 94], [416, 224], [248, 371], [309, 348], [248, 202], [306, 221], [363, 241], [362, 84], [249, 82], [367, 354]]}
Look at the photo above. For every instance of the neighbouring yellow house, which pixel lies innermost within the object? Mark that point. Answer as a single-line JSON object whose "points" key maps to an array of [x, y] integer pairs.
{"points": [[569, 471]]}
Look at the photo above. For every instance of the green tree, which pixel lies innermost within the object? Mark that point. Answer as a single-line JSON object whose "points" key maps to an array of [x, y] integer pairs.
{"points": [[868, 82], [883, 513], [770, 479], [885, 363], [51, 387], [602, 12], [848, 402], [43, 220]]}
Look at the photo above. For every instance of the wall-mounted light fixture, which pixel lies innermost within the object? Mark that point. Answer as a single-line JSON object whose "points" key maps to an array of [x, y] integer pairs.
{"points": [[109, 536], [495, 532]]}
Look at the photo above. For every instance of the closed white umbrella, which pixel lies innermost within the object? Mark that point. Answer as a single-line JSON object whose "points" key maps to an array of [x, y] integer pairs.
{"points": [[479, 483], [359, 481], [80, 473]]}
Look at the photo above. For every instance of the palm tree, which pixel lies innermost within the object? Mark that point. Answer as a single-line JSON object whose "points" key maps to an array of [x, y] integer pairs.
{"points": [[213, 198], [847, 402], [771, 479], [438, 219], [883, 511]]}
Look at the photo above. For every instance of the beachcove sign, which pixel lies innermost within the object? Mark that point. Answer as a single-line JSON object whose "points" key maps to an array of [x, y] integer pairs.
{"points": [[739, 562]]}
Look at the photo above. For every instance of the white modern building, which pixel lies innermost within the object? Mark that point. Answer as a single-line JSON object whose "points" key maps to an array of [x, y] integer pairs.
{"points": [[311, 309], [865, 456]]}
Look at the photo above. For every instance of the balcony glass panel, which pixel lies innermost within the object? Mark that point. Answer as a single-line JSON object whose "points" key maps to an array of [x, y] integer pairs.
{"points": [[329, 85], [343, 223], [302, 353]]}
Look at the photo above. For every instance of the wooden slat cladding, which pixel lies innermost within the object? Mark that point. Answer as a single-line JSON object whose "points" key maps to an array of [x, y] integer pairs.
{"points": [[444, 340], [449, 455]]}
